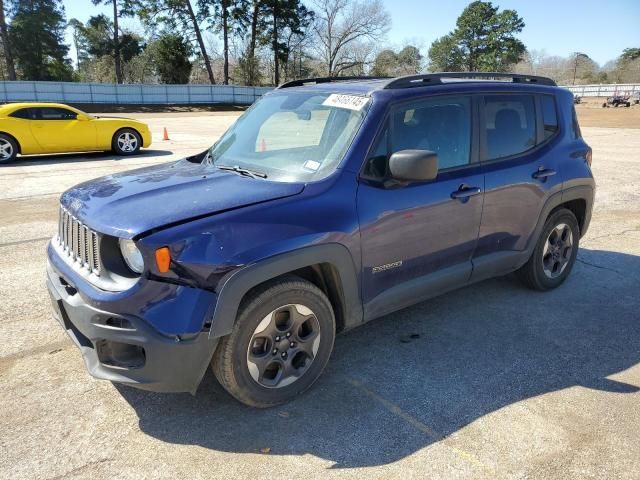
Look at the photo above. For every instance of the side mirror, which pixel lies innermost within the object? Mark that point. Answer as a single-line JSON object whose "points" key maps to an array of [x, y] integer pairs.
{"points": [[83, 118], [414, 165]]}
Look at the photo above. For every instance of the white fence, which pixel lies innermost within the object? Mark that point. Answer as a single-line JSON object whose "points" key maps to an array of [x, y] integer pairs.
{"points": [[604, 90], [71, 92]]}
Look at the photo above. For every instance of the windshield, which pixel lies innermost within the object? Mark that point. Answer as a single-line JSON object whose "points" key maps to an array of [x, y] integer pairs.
{"points": [[292, 137]]}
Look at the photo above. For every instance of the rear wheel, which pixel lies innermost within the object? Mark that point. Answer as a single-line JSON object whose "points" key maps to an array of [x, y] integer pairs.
{"points": [[554, 254], [8, 148], [280, 343], [126, 142]]}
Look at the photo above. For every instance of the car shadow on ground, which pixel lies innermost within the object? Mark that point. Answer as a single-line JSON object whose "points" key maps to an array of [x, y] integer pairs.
{"points": [[402, 382], [83, 157]]}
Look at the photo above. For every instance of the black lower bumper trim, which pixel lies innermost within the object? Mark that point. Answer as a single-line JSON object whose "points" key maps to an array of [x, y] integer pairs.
{"points": [[136, 355]]}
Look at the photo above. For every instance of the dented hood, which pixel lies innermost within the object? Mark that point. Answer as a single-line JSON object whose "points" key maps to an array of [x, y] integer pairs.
{"points": [[133, 202]]}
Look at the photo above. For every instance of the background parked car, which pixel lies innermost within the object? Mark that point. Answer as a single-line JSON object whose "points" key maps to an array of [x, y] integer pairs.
{"points": [[33, 128]]}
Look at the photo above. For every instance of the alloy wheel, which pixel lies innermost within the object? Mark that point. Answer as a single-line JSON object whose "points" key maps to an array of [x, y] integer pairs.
{"points": [[283, 346], [6, 149], [557, 250], [127, 142]]}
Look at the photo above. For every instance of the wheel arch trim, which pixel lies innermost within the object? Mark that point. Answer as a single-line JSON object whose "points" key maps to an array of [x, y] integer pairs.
{"points": [[238, 283], [578, 192]]}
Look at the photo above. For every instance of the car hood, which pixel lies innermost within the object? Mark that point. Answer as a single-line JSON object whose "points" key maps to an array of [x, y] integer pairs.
{"points": [[130, 203]]}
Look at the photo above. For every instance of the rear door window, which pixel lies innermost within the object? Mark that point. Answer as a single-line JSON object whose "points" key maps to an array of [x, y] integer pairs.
{"points": [[510, 125]]}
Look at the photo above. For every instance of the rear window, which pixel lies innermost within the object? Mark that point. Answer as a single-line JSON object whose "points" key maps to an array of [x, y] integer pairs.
{"points": [[510, 125], [549, 116]]}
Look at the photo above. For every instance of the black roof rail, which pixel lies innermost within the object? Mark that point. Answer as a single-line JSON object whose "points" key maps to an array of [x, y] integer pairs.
{"points": [[314, 81], [427, 79]]}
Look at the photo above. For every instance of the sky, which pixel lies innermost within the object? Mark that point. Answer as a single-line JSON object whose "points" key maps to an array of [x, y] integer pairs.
{"points": [[599, 28]]}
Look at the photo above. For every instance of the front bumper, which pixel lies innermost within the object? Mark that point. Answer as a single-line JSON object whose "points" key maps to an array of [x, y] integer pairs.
{"points": [[126, 349], [147, 139]]}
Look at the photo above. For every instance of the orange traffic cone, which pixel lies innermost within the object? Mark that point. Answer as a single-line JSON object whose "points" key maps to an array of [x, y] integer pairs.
{"points": [[165, 134]]}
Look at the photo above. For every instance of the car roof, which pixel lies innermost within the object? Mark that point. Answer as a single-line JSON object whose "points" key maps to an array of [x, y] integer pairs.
{"points": [[412, 85]]}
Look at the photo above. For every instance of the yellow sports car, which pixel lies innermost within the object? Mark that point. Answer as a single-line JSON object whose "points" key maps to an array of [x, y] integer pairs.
{"points": [[31, 128]]}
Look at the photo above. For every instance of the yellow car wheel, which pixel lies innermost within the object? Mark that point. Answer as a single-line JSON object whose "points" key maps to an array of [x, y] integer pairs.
{"points": [[126, 142], [8, 148]]}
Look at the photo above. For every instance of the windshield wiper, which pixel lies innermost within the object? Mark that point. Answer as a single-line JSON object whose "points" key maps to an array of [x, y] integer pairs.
{"points": [[242, 171]]}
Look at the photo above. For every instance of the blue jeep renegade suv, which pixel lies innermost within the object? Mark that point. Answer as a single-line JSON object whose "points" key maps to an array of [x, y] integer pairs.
{"points": [[330, 202]]}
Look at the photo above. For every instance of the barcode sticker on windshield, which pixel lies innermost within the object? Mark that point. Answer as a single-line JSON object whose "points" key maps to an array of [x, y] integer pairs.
{"points": [[351, 102], [311, 165]]}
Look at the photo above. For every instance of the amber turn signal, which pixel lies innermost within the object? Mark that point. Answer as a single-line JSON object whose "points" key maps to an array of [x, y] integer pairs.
{"points": [[163, 259]]}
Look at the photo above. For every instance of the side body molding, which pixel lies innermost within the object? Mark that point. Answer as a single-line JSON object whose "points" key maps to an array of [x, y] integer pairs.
{"points": [[238, 283]]}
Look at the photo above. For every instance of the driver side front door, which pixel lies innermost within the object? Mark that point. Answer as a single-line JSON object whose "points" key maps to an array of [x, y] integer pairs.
{"points": [[60, 130], [418, 239]]}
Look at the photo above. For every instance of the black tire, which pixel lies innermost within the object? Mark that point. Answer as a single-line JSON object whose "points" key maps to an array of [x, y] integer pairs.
{"points": [[230, 362], [8, 148], [120, 148], [533, 273]]}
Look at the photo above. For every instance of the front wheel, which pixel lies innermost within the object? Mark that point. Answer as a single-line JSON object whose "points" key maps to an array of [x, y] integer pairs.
{"points": [[555, 253], [126, 142], [280, 343]]}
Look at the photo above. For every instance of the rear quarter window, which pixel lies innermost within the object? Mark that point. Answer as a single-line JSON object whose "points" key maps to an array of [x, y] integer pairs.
{"points": [[575, 126], [549, 116]]}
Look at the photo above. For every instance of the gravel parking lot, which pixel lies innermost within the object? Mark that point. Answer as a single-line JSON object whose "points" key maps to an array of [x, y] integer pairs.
{"points": [[491, 381]]}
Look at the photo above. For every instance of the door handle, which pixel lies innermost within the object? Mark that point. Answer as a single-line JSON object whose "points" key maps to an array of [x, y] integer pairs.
{"points": [[542, 173], [464, 192]]}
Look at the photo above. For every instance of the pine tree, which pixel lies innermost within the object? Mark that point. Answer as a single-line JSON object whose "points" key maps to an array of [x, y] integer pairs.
{"points": [[121, 8], [176, 15], [36, 35], [484, 40], [6, 45], [171, 58], [282, 18], [229, 18]]}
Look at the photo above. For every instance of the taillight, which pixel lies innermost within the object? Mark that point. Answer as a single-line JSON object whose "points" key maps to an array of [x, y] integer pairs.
{"points": [[588, 156]]}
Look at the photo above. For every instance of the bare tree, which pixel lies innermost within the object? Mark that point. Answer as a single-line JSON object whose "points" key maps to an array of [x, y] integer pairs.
{"points": [[342, 26]]}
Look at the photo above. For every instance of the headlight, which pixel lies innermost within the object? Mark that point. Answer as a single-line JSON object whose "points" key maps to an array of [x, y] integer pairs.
{"points": [[131, 255]]}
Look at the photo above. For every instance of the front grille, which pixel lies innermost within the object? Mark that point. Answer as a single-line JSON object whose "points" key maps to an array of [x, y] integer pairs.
{"points": [[81, 244]]}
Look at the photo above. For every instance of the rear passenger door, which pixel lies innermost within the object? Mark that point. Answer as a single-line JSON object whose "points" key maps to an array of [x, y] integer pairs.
{"points": [[517, 135]]}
